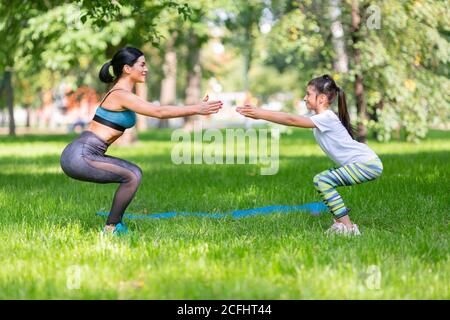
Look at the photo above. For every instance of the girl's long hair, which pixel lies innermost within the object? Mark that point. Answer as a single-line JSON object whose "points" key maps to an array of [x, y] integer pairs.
{"points": [[326, 85]]}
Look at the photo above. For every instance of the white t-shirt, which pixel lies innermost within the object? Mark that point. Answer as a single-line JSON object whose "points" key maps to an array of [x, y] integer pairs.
{"points": [[336, 142]]}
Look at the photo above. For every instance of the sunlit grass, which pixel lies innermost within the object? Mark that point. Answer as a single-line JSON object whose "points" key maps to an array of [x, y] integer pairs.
{"points": [[49, 230]]}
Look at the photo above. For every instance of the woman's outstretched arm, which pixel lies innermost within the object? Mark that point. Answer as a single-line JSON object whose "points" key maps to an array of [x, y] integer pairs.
{"points": [[141, 106]]}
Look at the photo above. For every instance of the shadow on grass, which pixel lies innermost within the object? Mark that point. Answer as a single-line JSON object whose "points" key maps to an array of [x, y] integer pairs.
{"points": [[191, 187], [412, 187], [165, 135], [161, 165], [30, 138]]}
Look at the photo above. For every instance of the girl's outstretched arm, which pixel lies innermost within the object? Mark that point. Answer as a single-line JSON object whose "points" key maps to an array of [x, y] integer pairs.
{"points": [[276, 116]]}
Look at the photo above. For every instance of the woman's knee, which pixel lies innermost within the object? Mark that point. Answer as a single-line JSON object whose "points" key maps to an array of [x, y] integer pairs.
{"points": [[136, 174]]}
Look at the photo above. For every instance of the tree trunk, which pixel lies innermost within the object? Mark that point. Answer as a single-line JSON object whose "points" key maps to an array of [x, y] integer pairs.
{"points": [[337, 31], [127, 138], [169, 83], [248, 54], [10, 101], [374, 116], [194, 77], [28, 119], [2, 113], [361, 106]]}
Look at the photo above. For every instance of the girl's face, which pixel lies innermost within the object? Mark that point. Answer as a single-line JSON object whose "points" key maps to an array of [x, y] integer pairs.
{"points": [[138, 71], [314, 100], [310, 98]]}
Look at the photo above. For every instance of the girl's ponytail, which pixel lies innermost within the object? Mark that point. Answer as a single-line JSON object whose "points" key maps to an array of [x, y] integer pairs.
{"points": [[326, 85], [343, 112]]}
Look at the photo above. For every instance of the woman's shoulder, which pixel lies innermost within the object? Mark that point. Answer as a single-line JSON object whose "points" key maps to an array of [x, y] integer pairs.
{"points": [[117, 100]]}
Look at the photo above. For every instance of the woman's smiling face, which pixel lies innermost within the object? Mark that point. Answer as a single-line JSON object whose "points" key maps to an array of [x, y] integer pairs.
{"points": [[138, 71]]}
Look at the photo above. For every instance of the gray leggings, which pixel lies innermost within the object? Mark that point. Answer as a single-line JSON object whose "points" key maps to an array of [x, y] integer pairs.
{"points": [[84, 159]]}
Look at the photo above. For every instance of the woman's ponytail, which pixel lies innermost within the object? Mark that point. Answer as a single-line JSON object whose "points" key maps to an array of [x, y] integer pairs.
{"points": [[105, 75], [343, 112], [125, 56]]}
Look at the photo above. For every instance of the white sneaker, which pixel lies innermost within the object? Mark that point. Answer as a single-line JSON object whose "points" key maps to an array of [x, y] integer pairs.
{"points": [[342, 229], [355, 231], [336, 228]]}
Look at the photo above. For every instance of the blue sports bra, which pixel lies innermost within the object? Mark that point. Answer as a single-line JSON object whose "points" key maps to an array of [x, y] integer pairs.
{"points": [[119, 120]]}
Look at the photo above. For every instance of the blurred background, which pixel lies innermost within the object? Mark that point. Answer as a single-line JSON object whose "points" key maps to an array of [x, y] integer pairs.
{"points": [[391, 57]]}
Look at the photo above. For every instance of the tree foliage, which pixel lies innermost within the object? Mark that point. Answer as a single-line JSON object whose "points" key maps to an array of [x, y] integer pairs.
{"points": [[405, 58], [403, 45]]}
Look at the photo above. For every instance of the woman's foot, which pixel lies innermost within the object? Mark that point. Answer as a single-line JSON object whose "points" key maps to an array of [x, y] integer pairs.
{"points": [[118, 229]]}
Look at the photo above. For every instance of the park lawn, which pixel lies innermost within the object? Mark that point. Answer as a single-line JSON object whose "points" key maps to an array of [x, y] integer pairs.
{"points": [[51, 247]]}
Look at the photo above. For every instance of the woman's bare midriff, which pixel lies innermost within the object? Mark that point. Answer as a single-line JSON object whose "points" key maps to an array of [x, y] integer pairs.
{"points": [[107, 134]]}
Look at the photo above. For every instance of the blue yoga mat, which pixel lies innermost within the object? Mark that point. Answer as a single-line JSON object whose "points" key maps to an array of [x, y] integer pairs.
{"points": [[314, 208]]}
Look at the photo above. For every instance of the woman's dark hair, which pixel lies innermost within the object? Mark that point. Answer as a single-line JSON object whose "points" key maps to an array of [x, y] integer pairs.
{"points": [[326, 85], [125, 56]]}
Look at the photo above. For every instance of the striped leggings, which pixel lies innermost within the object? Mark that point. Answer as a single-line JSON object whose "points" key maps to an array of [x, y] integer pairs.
{"points": [[354, 173]]}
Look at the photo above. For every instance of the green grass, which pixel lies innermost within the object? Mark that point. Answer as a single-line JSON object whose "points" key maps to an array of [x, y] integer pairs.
{"points": [[48, 227]]}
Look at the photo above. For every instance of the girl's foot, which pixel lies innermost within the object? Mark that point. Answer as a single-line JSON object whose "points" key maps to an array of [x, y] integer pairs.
{"points": [[342, 229]]}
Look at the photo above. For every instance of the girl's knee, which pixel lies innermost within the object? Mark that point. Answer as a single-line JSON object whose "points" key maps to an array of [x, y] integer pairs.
{"points": [[318, 177], [316, 180]]}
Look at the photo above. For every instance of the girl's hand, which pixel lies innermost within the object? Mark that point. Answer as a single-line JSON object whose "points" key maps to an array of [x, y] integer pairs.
{"points": [[249, 111], [209, 107]]}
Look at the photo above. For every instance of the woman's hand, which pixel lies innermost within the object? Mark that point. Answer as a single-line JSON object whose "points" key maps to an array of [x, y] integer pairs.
{"points": [[209, 107], [249, 111]]}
